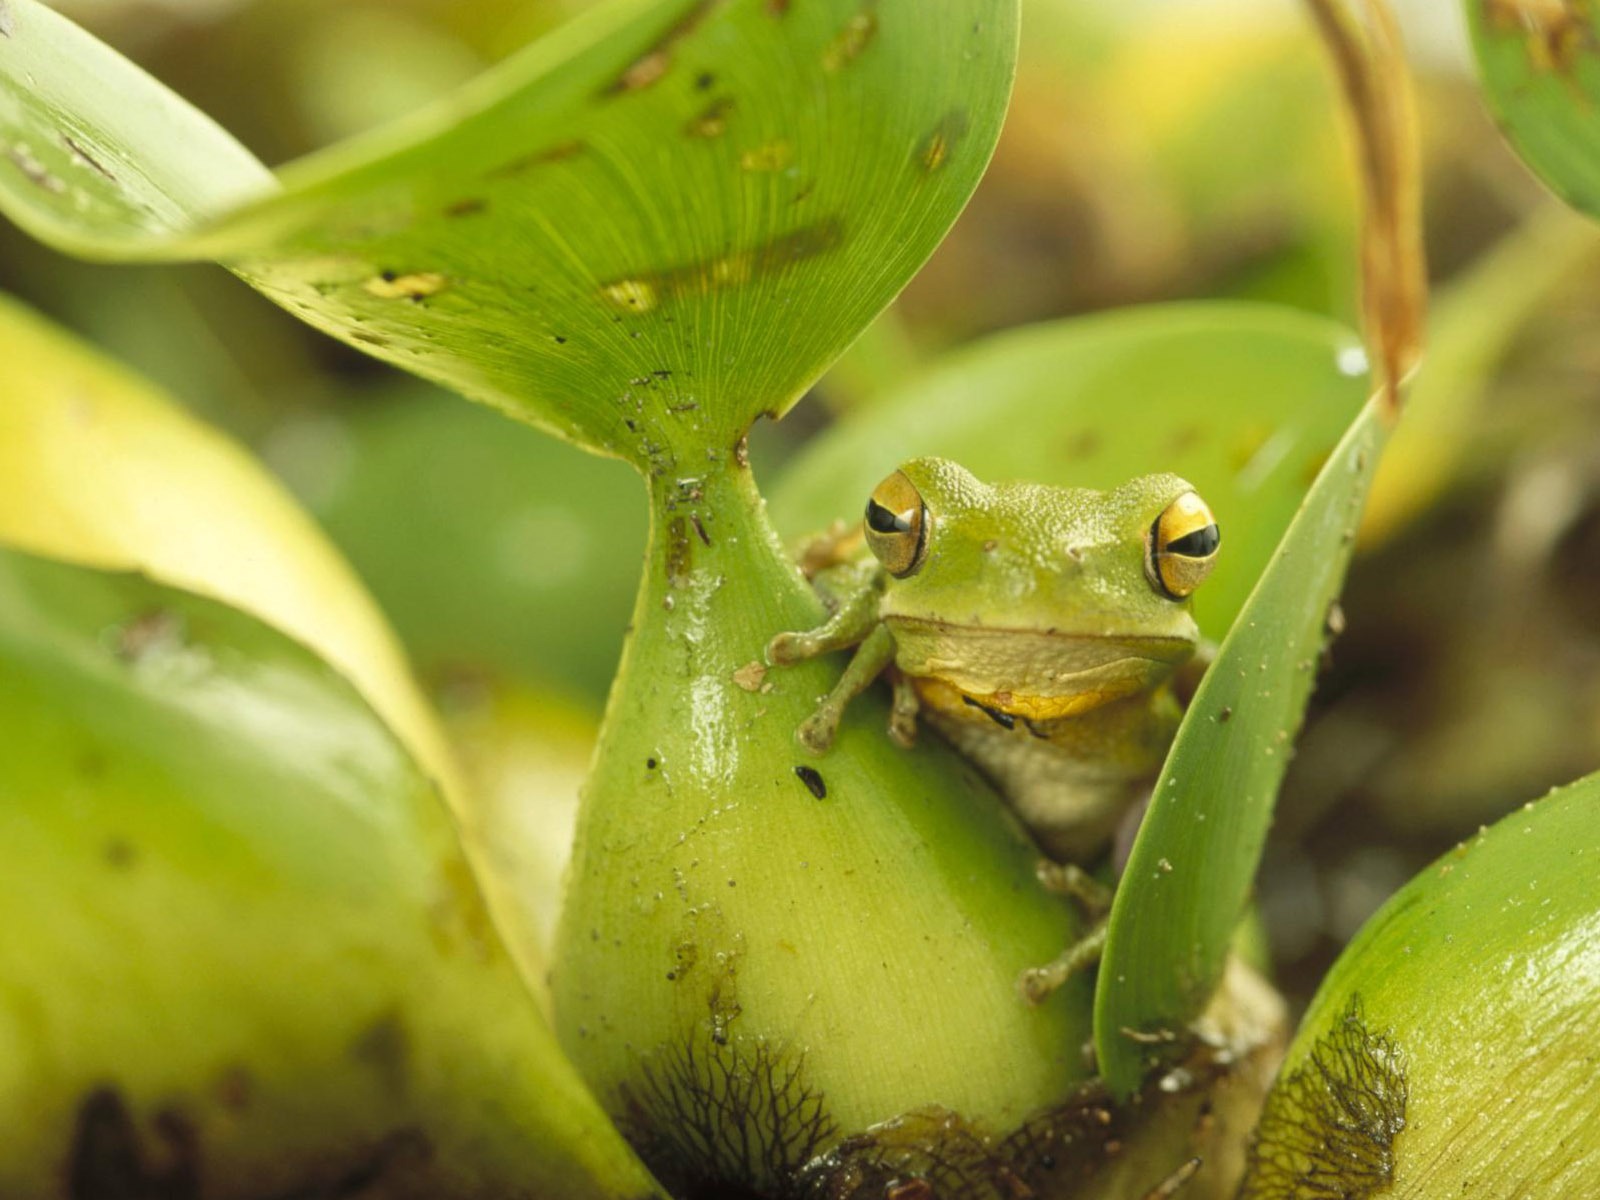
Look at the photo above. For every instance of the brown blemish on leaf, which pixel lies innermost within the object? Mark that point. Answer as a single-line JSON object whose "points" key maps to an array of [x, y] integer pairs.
{"points": [[936, 148], [851, 41], [109, 1160], [1330, 1126], [680, 554], [159, 630], [120, 854], [35, 172], [777, 8], [83, 158], [750, 676], [630, 295], [235, 1088], [385, 1048], [645, 291], [711, 121], [368, 339], [560, 152], [470, 207], [413, 286], [654, 63], [771, 156], [1556, 33]]}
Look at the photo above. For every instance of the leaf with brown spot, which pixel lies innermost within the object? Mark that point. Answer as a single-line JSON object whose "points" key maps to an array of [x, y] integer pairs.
{"points": [[743, 262]]}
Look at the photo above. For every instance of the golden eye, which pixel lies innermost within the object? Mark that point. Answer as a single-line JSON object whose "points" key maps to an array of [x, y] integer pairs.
{"points": [[1182, 546], [896, 525]]}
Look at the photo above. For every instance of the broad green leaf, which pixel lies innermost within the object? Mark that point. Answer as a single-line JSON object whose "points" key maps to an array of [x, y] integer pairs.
{"points": [[242, 941], [100, 468], [1244, 401], [1451, 1050], [1539, 61], [1187, 880], [643, 231]]}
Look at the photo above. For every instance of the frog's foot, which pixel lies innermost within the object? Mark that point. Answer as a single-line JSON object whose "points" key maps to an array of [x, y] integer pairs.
{"points": [[789, 648], [816, 732], [1037, 983], [903, 716], [1072, 881]]}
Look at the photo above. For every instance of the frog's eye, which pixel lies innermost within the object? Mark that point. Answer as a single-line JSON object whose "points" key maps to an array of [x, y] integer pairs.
{"points": [[1182, 546], [896, 525]]}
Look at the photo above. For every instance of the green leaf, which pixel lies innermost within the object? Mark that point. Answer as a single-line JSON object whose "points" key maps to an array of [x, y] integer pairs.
{"points": [[1540, 67], [641, 233], [1184, 889], [240, 927], [1450, 1051], [1245, 401], [175, 499]]}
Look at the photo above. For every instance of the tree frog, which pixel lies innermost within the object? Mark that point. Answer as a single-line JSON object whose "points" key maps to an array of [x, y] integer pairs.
{"points": [[1036, 628]]}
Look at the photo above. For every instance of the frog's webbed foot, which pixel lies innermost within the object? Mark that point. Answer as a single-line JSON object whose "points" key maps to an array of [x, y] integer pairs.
{"points": [[903, 716], [1037, 983]]}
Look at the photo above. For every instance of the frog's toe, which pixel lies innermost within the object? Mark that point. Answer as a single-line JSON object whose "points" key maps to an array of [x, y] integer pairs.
{"points": [[817, 731], [784, 649], [903, 729]]}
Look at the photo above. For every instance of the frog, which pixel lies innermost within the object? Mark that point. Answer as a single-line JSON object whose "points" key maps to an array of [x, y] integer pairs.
{"points": [[1040, 630]]}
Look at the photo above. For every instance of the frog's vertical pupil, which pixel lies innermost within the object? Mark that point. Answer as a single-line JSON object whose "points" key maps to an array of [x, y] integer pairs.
{"points": [[1197, 544], [881, 520]]}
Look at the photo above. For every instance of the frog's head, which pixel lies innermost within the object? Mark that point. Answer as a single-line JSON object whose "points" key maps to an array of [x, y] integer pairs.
{"points": [[1055, 600]]}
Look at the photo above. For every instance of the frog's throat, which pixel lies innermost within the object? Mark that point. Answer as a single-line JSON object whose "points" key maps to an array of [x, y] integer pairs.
{"points": [[1030, 674]]}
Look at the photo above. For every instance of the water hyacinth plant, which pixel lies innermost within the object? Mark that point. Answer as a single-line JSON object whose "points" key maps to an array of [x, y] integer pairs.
{"points": [[275, 930]]}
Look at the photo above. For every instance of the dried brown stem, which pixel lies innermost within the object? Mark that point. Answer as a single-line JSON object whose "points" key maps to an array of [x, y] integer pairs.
{"points": [[1369, 60]]}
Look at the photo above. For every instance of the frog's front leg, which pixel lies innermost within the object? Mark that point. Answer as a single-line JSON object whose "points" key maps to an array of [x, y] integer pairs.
{"points": [[816, 732], [853, 593]]}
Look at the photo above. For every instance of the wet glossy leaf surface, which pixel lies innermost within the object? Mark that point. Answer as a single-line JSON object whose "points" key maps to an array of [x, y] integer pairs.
{"points": [[1192, 866], [1539, 62], [1451, 1049], [642, 232], [1244, 401], [203, 820]]}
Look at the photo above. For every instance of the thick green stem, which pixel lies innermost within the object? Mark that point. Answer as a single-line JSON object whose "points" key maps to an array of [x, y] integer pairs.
{"points": [[756, 937]]}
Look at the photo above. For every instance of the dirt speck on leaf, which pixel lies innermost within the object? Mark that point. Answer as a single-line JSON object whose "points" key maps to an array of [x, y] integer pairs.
{"points": [[655, 62], [415, 285], [711, 121]]}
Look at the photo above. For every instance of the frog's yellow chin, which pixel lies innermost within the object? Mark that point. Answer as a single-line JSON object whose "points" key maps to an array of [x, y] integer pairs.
{"points": [[1035, 675]]}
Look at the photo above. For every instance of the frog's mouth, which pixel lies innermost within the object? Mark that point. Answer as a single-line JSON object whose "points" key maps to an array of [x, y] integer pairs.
{"points": [[1038, 675]]}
